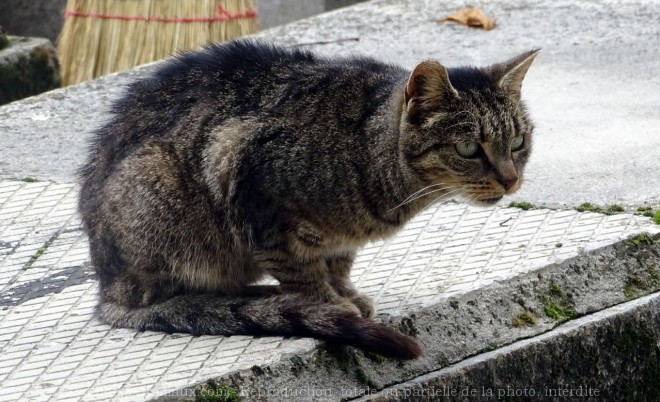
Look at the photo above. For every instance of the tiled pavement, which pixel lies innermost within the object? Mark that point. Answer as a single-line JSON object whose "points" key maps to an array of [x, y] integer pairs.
{"points": [[53, 349]]}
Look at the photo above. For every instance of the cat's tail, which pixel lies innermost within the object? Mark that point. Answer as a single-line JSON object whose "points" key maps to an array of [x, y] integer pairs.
{"points": [[284, 315]]}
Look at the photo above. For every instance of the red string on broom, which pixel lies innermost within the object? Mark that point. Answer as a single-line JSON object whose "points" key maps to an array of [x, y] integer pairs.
{"points": [[223, 15]]}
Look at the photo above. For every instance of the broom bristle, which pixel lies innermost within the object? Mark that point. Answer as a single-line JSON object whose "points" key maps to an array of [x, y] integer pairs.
{"points": [[104, 36]]}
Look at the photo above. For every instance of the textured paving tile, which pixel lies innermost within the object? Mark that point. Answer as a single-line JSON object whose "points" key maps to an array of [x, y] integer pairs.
{"points": [[53, 349]]}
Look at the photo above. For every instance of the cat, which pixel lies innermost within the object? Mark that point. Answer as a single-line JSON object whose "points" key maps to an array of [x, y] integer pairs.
{"points": [[245, 159]]}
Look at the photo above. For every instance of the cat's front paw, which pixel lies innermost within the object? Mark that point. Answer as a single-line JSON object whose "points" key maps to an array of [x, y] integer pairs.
{"points": [[365, 304]]}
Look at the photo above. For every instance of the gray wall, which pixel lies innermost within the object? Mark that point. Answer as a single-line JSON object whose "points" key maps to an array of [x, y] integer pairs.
{"points": [[44, 18], [40, 18], [332, 4], [279, 12]]}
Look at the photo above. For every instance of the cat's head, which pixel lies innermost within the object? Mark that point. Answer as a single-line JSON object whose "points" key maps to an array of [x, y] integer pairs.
{"points": [[466, 129]]}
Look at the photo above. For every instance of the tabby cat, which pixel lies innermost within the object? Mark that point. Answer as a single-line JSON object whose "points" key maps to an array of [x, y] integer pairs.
{"points": [[245, 159]]}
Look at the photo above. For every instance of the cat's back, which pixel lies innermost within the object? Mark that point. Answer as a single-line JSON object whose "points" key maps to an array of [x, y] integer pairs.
{"points": [[232, 79], [224, 79], [216, 82], [189, 95], [248, 76]]}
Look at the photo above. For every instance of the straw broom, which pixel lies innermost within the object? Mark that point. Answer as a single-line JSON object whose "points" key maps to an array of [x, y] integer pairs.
{"points": [[103, 36]]}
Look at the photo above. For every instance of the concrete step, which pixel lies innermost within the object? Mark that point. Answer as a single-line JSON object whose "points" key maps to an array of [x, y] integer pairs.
{"points": [[498, 296], [610, 355], [461, 279]]}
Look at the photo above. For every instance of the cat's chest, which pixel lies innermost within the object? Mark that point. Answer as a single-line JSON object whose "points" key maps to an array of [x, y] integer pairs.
{"points": [[350, 242]]}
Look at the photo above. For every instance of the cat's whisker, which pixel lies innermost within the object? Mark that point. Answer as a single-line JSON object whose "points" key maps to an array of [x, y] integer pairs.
{"points": [[417, 192], [421, 190], [448, 200], [416, 195], [427, 193], [432, 203], [467, 196], [460, 192], [471, 199], [464, 197]]}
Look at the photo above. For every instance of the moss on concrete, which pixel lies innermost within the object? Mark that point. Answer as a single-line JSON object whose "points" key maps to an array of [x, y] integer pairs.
{"points": [[614, 208], [363, 378], [29, 75], [558, 312], [588, 207], [642, 282], [641, 239], [557, 304], [645, 210], [643, 276], [555, 289], [346, 358], [524, 205], [338, 354], [374, 357], [407, 326], [650, 213], [524, 319], [216, 392]]}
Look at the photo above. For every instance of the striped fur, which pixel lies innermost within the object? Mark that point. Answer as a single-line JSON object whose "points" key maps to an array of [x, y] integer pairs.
{"points": [[245, 159]]}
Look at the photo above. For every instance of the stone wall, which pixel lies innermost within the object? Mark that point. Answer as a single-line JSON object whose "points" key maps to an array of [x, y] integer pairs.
{"points": [[28, 66]]}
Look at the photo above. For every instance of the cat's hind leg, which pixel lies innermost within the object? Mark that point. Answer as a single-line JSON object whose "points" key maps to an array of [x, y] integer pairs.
{"points": [[307, 277], [339, 268]]}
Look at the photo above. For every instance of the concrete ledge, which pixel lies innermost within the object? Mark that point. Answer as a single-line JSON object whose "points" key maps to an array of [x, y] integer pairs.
{"points": [[611, 355], [464, 280], [490, 318]]}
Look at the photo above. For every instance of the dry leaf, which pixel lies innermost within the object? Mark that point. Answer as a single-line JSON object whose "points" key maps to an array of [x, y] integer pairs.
{"points": [[471, 16]]}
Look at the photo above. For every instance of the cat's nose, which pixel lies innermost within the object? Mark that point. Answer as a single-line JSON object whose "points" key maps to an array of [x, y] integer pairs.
{"points": [[508, 182], [507, 175]]}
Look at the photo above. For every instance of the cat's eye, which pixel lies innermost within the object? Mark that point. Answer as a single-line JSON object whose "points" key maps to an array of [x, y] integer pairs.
{"points": [[517, 142], [467, 149]]}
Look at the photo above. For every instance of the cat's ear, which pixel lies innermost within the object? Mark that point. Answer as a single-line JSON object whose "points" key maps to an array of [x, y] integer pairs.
{"points": [[510, 74], [428, 87]]}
